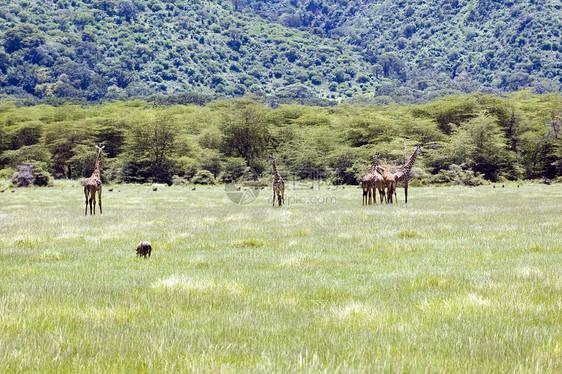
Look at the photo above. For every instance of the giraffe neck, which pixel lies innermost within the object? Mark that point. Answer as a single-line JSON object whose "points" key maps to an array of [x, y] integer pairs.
{"points": [[277, 175], [408, 165], [96, 172], [374, 165]]}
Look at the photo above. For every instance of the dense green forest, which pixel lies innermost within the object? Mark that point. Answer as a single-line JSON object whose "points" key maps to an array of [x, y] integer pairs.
{"points": [[304, 51], [466, 139]]}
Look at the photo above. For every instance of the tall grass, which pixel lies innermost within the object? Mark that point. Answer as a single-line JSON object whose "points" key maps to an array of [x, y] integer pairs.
{"points": [[458, 280]]}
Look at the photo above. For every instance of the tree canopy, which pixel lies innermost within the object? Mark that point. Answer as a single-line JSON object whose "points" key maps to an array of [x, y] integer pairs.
{"points": [[464, 138], [310, 52]]}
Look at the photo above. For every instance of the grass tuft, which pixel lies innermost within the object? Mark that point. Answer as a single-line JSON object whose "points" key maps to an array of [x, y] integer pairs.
{"points": [[409, 234], [247, 243]]}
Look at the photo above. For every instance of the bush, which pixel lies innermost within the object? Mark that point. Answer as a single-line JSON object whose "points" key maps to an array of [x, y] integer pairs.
{"points": [[31, 175], [7, 173], [179, 181], [457, 175], [235, 168], [203, 177]]}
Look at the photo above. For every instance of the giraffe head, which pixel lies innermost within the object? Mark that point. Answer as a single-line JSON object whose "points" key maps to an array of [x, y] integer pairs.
{"points": [[381, 169], [100, 147], [271, 158]]}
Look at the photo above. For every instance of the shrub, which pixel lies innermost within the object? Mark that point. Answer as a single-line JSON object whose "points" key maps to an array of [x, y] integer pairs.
{"points": [[31, 175], [203, 177], [235, 168], [7, 173], [179, 181], [457, 175]]}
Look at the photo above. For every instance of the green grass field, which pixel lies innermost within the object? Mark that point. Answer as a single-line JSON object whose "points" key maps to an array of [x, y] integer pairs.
{"points": [[458, 280]]}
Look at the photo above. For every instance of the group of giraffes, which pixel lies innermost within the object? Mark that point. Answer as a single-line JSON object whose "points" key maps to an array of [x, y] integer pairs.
{"points": [[377, 178], [380, 178]]}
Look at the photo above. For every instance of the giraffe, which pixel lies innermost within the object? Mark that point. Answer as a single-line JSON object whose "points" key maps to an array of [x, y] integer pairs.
{"points": [[93, 185], [371, 182], [402, 176], [389, 182], [278, 183]]}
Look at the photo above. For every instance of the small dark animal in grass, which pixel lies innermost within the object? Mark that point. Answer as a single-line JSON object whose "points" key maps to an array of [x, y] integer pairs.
{"points": [[144, 248]]}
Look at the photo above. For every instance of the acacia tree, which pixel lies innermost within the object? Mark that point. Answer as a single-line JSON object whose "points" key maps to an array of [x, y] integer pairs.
{"points": [[484, 148], [61, 139], [246, 131], [150, 147]]}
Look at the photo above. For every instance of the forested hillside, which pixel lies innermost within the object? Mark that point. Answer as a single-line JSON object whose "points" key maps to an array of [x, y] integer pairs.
{"points": [[431, 45], [465, 139], [311, 50]]}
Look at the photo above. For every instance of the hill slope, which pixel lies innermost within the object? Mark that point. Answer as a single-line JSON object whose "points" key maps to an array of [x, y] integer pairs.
{"points": [[403, 51]]}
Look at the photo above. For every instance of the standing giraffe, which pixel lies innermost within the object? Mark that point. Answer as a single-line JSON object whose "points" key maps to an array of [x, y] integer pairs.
{"points": [[93, 185], [402, 176], [389, 182], [278, 183], [371, 182]]}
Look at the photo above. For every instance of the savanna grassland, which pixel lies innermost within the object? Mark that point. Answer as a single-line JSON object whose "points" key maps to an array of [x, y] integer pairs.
{"points": [[458, 280]]}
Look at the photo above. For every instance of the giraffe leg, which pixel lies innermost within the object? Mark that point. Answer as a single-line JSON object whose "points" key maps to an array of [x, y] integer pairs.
{"points": [[99, 198], [388, 196], [86, 193], [364, 196], [93, 200], [283, 196], [90, 205], [273, 197], [406, 192]]}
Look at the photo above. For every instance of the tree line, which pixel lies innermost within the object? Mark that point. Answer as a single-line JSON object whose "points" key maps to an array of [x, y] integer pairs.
{"points": [[465, 139]]}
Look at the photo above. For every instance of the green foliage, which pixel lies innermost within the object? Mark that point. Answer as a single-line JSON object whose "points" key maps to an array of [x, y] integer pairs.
{"points": [[203, 177], [22, 36], [61, 138], [321, 51], [490, 136], [27, 153], [151, 144], [234, 169], [82, 162], [459, 175], [246, 130], [345, 166]]}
